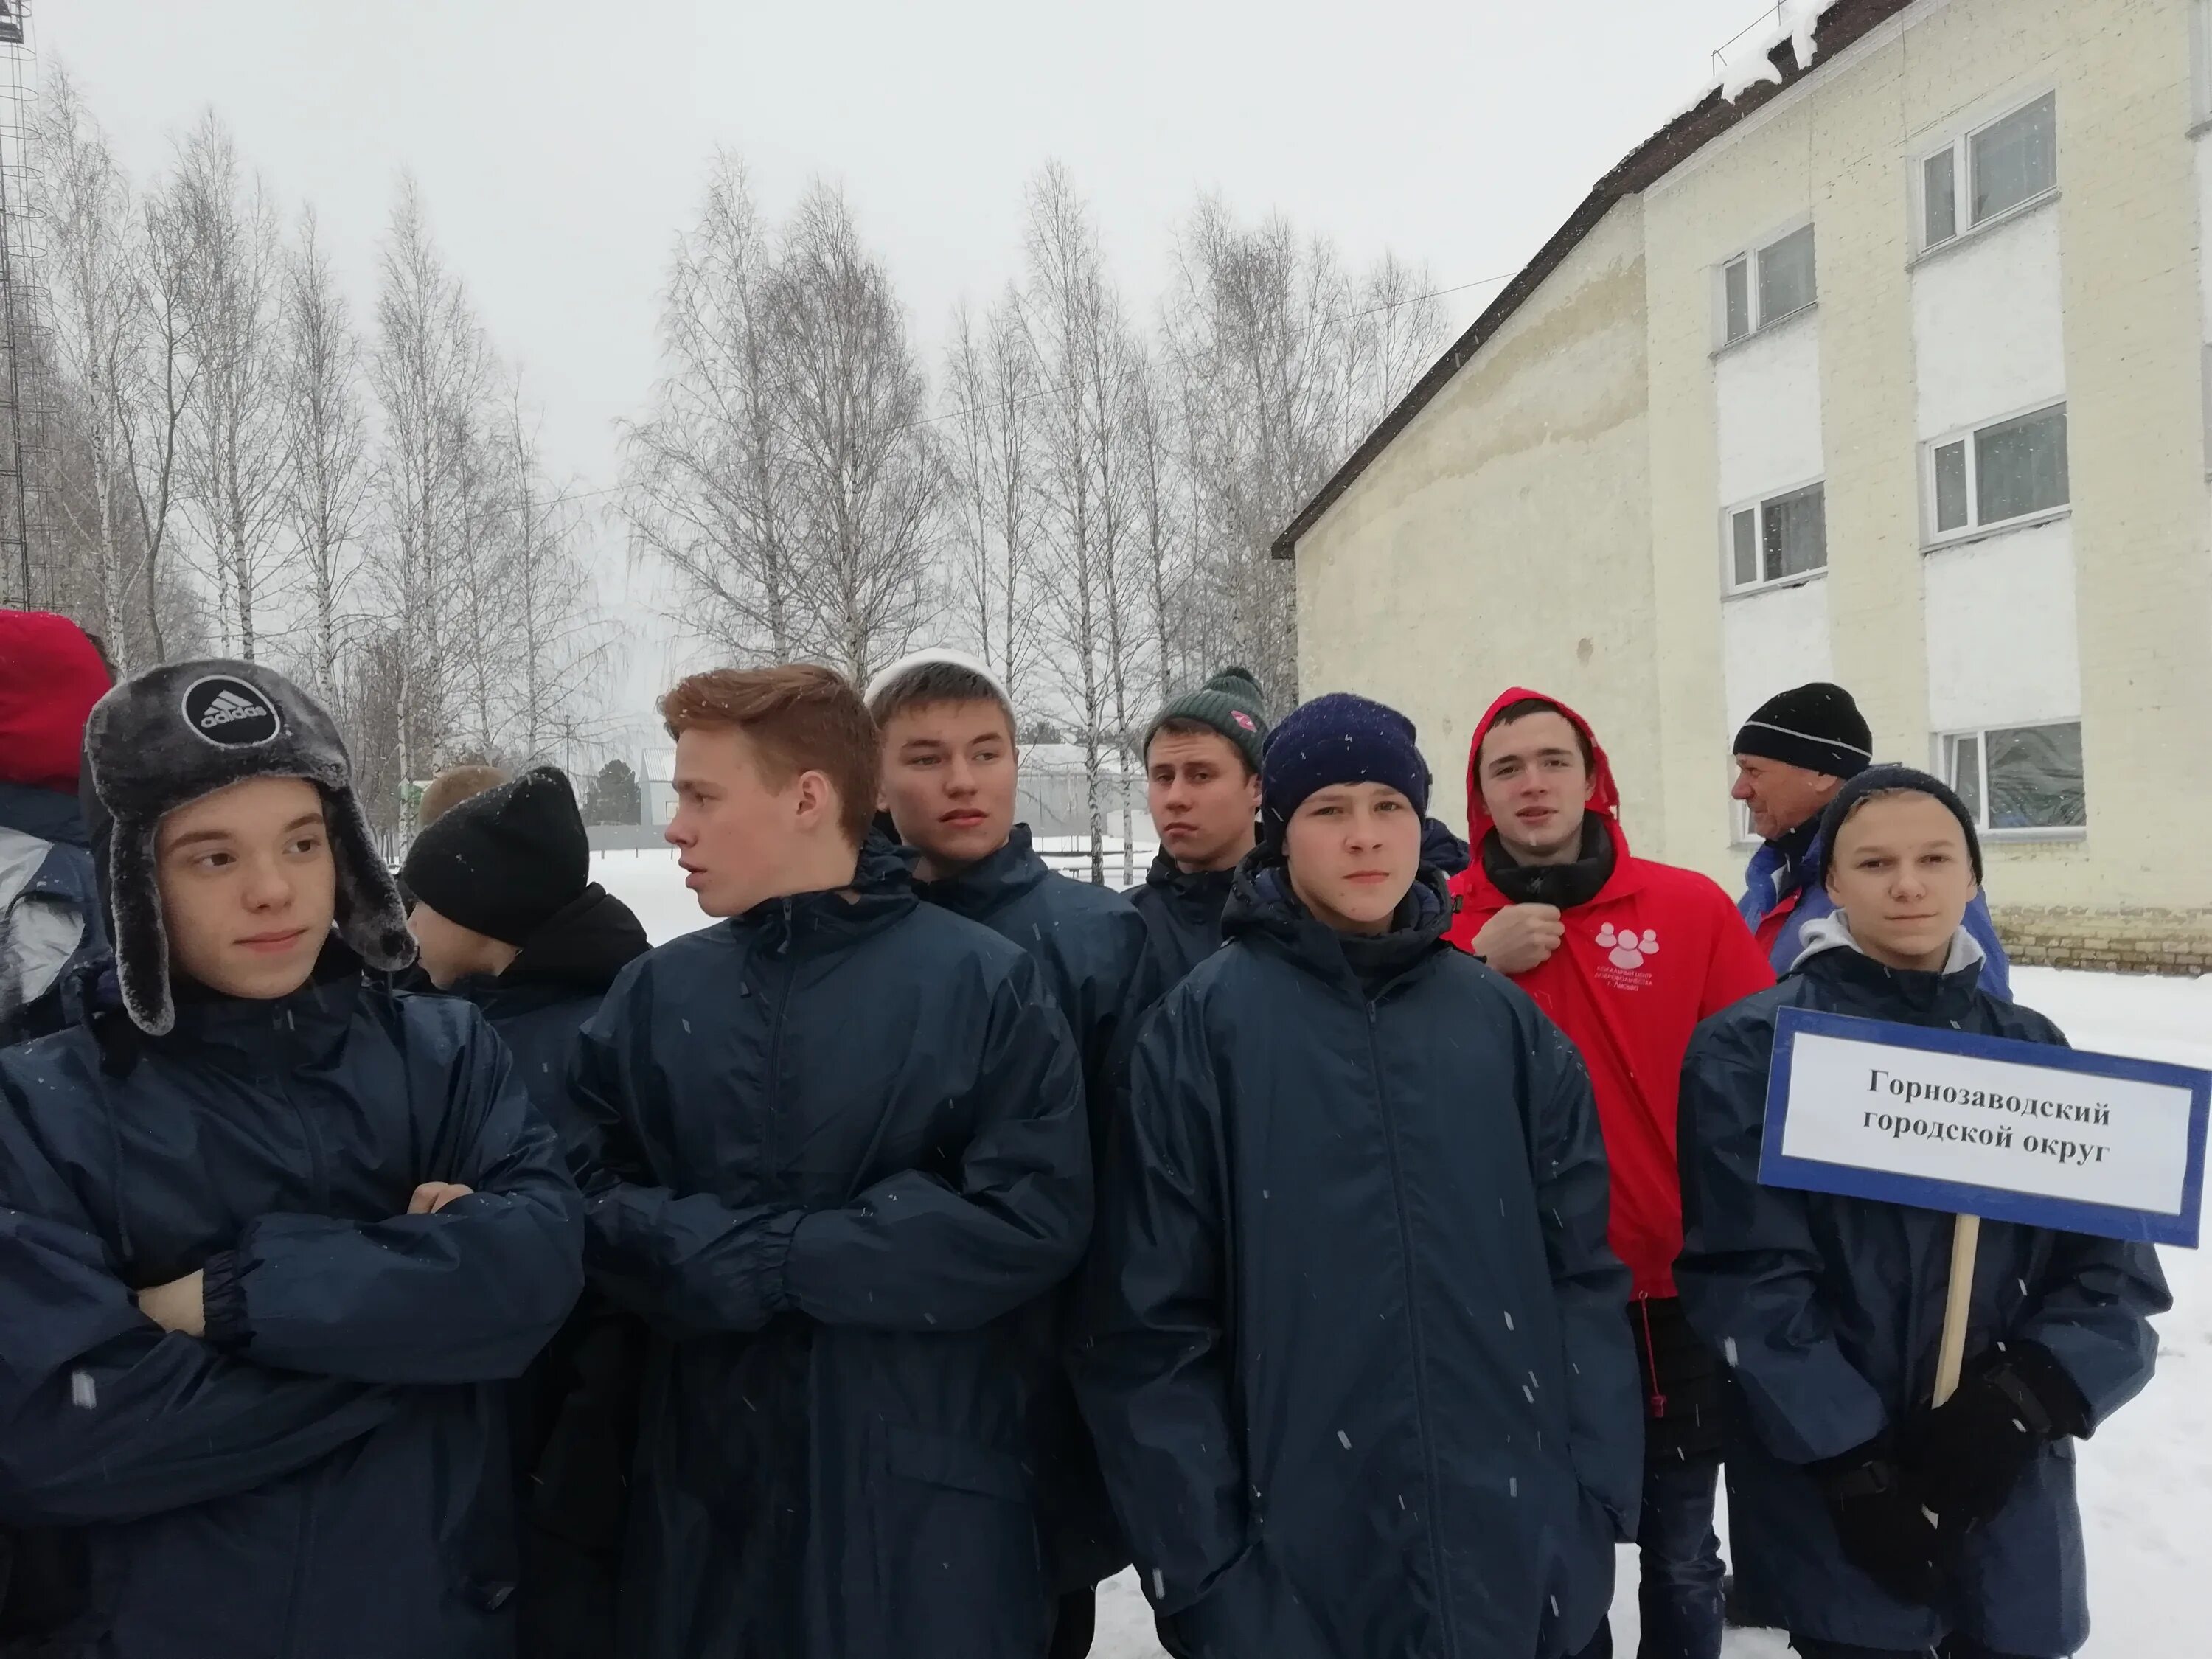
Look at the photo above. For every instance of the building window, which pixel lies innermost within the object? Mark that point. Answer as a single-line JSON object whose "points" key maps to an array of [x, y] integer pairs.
{"points": [[2002, 166], [2009, 469], [1778, 276], [1776, 539], [2020, 777]]}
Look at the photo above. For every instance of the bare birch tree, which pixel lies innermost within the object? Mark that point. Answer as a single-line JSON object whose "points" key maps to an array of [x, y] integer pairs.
{"points": [[325, 479], [1286, 361], [555, 646], [85, 212], [866, 478], [706, 477], [152, 387], [234, 451], [1065, 310], [993, 387], [431, 368]]}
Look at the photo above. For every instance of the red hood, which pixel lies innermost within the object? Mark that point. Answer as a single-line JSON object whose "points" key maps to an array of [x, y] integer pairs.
{"points": [[1606, 798], [50, 677]]}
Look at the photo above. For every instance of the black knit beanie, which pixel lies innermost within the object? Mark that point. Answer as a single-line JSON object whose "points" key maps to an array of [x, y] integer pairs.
{"points": [[1232, 704], [1817, 726], [502, 863], [1882, 780], [1338, 738]]}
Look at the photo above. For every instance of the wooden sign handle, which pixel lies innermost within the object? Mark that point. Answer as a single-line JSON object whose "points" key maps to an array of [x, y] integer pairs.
{"points": [[1965, 1238]]}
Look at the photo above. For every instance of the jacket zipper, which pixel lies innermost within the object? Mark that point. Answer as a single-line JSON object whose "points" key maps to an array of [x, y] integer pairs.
{"points": [[1412, 1328], [785, 970]]}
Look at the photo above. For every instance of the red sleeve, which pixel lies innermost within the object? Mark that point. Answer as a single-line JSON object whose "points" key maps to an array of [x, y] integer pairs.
{"points": [[1466, 920], [1736, 967]]}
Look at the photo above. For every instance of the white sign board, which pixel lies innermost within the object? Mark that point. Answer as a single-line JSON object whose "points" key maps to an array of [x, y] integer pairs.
{"points": [[2021, 1132]]}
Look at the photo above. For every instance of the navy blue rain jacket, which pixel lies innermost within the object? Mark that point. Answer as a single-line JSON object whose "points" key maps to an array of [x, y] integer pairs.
{"points": [[1359, 1362], [1091, 946], [574, 1413], [65, 880], [324, 1475], [1182, 913], [839, 1166], [1830, 1311]]}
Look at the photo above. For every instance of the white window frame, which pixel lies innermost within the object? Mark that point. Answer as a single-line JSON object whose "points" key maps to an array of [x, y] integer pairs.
{"points": [[1961, 148], [1940, 743], [1748, 258], [1973, 530], [1757, 505]]}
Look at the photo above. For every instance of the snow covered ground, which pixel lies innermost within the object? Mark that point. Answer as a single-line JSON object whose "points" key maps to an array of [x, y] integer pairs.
{"points": [[2145, 1479]]}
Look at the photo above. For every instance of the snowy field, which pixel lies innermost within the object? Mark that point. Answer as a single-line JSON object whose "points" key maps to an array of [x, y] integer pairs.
{"points": [[2145, 1479]]}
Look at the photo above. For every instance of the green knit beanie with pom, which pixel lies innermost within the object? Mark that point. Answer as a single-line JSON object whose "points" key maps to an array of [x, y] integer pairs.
{"points": [[1230, 703]]}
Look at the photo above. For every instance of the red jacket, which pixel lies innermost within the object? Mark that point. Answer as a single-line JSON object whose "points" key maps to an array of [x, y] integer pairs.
{"points": [[1658, 950]]}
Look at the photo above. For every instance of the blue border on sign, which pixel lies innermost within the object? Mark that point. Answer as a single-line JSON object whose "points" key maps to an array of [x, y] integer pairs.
{"points": [[1993, 1203]]}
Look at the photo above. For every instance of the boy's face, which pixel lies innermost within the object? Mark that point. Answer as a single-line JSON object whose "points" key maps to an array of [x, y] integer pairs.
{"points": [[1535, 784], [1353, 850], [248, 886], [1902, 876], [948, 781], [1203, 799], [741, 839], [449, 951]]}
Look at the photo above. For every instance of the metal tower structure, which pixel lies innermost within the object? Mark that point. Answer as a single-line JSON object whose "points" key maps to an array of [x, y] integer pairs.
{"points": [[25, 355]]}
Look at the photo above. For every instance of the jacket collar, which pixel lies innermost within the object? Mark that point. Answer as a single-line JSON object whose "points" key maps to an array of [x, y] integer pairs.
{"points": [[1263, 910], [1201, 892], [992, 881], [1830, 952], [807, 924]]}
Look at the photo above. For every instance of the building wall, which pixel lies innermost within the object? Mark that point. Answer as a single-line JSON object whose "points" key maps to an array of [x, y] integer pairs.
{"points": [[2104, 613], [1504, 537], [1498, 538]]}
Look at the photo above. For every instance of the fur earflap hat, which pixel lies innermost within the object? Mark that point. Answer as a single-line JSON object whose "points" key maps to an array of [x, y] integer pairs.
{"points": [[181, 732]]}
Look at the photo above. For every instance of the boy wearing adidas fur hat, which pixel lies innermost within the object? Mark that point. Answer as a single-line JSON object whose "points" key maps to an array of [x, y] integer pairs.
{"points": [[272, 1238], [950, 769], [506, 913], [1356, 1357]]}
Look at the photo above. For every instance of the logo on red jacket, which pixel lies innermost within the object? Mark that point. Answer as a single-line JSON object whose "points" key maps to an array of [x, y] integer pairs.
{"points": [[1626, 949]]}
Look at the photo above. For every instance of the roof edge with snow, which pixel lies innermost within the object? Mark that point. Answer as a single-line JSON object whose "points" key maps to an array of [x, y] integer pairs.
{"points": [[1845, 21]]}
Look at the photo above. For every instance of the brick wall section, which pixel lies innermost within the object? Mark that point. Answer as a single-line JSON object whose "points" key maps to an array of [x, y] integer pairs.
{"points": [[2121, 941]]}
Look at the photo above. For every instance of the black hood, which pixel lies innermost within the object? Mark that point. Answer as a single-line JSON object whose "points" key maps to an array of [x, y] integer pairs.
{"points": [[583, 944]]}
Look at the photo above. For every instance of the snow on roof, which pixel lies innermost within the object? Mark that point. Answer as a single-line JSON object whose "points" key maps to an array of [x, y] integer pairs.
{"points": [[1748, 60]]}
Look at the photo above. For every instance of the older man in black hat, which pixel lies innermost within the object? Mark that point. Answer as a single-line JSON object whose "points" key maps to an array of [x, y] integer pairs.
{"points": [[1798, 749]]}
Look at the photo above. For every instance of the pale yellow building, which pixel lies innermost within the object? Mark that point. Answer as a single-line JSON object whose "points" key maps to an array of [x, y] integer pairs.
{"points": [[1894, 374]]}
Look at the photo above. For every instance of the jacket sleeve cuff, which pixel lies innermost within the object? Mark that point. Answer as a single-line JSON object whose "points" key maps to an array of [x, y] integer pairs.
{"points": [[223, 1300], [777, 1292]]}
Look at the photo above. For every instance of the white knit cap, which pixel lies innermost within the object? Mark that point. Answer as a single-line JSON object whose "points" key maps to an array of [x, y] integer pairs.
{"points": [[925, 659]]}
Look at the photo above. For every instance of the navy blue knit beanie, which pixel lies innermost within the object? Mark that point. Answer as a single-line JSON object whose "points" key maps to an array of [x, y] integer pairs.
{"points": [[1886, 778], [1338, 738]]}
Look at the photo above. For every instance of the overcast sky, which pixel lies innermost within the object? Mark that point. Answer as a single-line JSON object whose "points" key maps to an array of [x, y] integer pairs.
{"points": [[560, 143]]}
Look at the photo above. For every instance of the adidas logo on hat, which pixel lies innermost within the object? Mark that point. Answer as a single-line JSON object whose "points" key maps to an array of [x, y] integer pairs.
{"points": [[229, 705], [228, 712]]}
